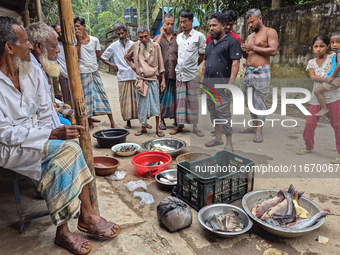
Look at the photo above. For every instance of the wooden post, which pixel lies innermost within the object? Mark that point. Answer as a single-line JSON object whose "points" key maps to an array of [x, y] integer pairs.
{"points": [[71, 56], [26, 18], [163, 11], [138, 13], [147, 13], [39, 10]]}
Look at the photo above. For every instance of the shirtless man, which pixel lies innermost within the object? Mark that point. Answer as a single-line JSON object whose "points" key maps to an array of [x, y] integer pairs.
{"points": [[260, 46]]}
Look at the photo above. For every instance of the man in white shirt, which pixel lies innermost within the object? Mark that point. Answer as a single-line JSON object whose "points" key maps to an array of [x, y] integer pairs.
{"points": [[89, 52], [29, 145], [191, 49], [125, 75]]}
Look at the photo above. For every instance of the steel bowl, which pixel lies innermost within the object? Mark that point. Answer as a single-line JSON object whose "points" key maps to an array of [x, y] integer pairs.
{"points": [[117, 147], [171, 146], [167, 173], [255, 197], [209, 210]]}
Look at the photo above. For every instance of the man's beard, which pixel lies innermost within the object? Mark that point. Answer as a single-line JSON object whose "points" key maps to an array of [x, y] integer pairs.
{"points": [[123, 41], [257, 28], [216, 35], [23, 66], [145, 48], [51, 67]]}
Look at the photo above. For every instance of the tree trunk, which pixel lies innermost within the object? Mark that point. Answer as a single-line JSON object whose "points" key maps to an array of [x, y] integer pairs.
{"points": [[276, 4]]}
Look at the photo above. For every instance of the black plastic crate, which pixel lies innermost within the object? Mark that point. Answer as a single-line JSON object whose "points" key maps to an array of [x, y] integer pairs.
{"points": [[199, 185]]}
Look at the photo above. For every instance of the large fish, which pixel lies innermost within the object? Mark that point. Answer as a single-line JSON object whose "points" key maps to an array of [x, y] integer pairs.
{"points": [[261, 208], [283, 211], [306, 223]]}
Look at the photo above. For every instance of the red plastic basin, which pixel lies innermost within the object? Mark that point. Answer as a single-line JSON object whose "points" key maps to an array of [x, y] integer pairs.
{"points": [[142, 159]]}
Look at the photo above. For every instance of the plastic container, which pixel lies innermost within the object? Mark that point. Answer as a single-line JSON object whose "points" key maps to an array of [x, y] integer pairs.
{"points": [[106, 138], [142, 159], [215, 179]]}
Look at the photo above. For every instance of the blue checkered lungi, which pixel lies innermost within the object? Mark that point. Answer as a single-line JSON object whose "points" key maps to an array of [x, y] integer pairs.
{"points": [[63, 175], [96, 100], [259, 79]]}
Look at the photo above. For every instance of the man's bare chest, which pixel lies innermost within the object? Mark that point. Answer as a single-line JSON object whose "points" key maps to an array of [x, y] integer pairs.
{"points": [[259, 40]]}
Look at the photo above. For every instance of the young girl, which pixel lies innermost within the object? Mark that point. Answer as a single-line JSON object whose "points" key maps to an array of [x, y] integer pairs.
{"points": [[333, 72], [318, 69]]}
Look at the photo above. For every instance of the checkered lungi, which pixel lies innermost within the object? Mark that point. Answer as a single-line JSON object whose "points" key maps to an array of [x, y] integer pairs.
{"points": [[167, 99], [259, 79], [64, 173], [66, 111], [187, 102], [127, 99], [96, 100]]}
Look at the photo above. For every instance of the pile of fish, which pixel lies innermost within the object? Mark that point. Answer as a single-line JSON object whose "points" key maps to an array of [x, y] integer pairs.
{"points": [[168, 180], [127, 148], [160, 149], [155, 163], [284, 210], [226, 222]]}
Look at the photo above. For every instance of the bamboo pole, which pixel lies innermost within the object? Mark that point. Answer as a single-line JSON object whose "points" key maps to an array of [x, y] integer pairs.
{"points": [[26, 18], [162, 10], [138, 13], [147, 13], [38, 8], [71, 56]]}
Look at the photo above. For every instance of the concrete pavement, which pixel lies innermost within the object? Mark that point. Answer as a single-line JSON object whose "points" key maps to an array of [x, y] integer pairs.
{"points": [[139, 223]]}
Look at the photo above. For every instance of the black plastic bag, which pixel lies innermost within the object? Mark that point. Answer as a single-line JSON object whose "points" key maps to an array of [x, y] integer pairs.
{"points": [[174, 214]]}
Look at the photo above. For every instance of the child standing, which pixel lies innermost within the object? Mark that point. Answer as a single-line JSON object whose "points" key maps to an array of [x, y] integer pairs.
{"points": [[318, 69], [333, 72]]}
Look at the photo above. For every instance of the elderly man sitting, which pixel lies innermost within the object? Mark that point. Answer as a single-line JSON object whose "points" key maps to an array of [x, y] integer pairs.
{"points": [[29, 145]]}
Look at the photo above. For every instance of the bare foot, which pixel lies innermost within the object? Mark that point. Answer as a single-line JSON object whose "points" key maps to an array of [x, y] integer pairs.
{"points": [[322, 112], [91, 126], [128, 125], [114, 125], [148, 126]]}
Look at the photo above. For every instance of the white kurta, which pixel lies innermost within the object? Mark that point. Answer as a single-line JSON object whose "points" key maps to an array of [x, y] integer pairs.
{"points": [[25, 123]]}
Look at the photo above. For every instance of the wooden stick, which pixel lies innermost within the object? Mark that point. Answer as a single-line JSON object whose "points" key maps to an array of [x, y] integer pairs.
{"points": [[71, 56], [38, 9]]}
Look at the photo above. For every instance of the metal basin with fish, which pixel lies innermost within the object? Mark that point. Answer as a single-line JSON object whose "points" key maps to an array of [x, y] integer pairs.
{"points": [[170, 173], [255, 197], [171, 146], [208, 211]]}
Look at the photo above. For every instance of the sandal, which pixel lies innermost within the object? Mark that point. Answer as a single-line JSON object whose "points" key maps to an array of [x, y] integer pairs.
{"points": [[256, 139], [213, 143], [229, 149], [73, 243], [162, 126], [140, 132], [101, 230], [199, 133], [176, 131], [247, 131], [336, 161], [303, 152], [160, 133]]}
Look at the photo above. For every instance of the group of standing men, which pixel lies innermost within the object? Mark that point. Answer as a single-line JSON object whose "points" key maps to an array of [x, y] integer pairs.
{"points": [[174, 61]]}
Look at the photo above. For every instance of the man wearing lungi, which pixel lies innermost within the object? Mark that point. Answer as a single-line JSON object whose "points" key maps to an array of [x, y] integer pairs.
{"points": [[63, 78], [125, 75], [148, 64], [191, 49], [260, 46], [31, 147], [44, 55], [167, 41], [89, 52], [221, 62]]}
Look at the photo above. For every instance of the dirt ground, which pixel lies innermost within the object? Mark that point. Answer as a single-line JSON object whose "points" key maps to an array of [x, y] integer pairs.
{"points": [[141, 231]]}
